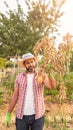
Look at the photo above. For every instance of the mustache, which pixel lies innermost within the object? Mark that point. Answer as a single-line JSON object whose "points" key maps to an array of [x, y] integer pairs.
{"points": [[31, 69]]}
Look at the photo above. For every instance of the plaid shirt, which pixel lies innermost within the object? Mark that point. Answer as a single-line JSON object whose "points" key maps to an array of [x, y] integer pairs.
{"points": [[21, 83]]}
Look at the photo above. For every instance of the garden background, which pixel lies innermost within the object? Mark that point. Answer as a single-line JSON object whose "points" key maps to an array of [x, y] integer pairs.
{"points": [[36, 32]]}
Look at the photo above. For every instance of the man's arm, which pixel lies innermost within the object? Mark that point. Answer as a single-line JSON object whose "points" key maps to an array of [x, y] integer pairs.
{"points": [[11, 106], [50, 82], [13, 100]]}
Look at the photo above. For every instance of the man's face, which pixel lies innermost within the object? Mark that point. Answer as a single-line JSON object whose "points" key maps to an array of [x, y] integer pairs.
{"points": [[30, 65]]}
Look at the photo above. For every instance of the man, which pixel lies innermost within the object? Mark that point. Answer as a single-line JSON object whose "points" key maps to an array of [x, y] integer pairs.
{"points": [[28, 92]]}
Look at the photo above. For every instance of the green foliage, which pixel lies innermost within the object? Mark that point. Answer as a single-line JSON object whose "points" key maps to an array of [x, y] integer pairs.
{"points": [[64, 121], [13, 31], [54, 122], [19, 32], [2, 62], [9, 64], [56, 75], [48, 69], [1, 97], [9, 82], [71, 64], [46, 122], [46, 91], [51, 92], [69, 84]]}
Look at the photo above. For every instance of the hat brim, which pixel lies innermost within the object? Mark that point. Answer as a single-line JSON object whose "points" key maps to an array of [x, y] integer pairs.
{"points": [[20, 63]]}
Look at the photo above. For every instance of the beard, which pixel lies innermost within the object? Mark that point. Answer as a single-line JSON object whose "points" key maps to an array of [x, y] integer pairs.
{"points": [[31, 69]]}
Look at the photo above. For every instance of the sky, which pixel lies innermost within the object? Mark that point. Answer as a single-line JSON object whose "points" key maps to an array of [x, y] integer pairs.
{"points": [[66, 20]]}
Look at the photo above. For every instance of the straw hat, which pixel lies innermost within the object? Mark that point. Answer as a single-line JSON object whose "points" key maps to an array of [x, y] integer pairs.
{"points": [[26, 57]]}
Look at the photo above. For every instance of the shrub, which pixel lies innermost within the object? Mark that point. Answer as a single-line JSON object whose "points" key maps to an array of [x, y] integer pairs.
{"points": [[9, 64], [2, 62], [1, 97], [69, 84]]}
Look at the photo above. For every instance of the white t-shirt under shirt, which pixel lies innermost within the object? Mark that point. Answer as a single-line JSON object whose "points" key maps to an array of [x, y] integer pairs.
{"points": [[29, 107]]}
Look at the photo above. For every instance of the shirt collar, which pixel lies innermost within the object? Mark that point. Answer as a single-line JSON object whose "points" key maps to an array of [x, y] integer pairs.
{"points": [[24, 73]]}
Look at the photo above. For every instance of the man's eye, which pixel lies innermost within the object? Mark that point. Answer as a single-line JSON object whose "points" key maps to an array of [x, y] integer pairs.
{"points": [[28, 63]]}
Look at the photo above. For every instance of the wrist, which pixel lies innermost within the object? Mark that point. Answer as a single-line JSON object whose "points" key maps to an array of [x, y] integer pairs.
{"points": [[8, 113]]}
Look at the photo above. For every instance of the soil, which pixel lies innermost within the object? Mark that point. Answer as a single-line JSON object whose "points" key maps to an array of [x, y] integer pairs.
{"points": [[52, 109]]}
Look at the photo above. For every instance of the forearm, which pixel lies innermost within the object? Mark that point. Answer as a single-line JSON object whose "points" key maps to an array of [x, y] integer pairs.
{"points": [[50, 82], [12, 103]]}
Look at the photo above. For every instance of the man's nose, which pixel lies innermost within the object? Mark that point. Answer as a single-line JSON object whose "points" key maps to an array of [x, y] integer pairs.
{"points": [[30, 64]]}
